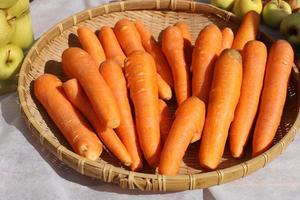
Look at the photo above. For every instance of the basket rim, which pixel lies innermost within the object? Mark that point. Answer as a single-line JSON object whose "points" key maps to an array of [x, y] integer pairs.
{"points": [[266, 157]]}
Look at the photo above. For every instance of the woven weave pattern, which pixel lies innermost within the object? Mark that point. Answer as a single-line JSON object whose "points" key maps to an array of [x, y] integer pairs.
{"points": [[45, 57]]}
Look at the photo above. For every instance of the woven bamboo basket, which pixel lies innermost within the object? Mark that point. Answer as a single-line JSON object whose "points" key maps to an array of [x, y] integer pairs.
{"points": [[45, 57]]}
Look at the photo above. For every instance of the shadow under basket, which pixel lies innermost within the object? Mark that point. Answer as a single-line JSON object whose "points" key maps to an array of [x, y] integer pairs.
{"points": [[45, 56]]}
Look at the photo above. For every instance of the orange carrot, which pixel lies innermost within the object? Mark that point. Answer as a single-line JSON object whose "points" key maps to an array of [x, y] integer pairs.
{"points": [[206, 50], [189, 118], [164, 90], [166, 120], [152, 47], [247, 30], [114, 77], [80, 65], [128, 36], [224, 96], [279, 66], [91, 44], [140, 73], [254, 62], [111, 45], [227, 38], [188, 48], [48, 90], [77, 97], [172, 46]]}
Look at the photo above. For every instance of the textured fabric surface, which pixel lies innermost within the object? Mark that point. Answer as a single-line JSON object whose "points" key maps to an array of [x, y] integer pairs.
{"points": [[30, 172]]}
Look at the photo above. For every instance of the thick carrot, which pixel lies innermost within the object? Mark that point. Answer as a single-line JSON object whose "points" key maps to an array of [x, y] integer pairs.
{"points": [[141, 76], [91, 44], [206, 50], [111, 45], [254, 56], [48, 90], [224, 96], [80, 65], [152, 47], [128, 36], [173, 48], [188, 47], [114, 77], [77, 97], [247, 30], [227, 38], [164, 90], [189, 118], [279, 66], [166, 120]]}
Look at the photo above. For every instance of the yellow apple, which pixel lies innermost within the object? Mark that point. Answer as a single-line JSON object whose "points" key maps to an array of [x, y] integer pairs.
{"points": [[23, 36], [241, 7], [224, 4], [18, 8], [7, 28]]}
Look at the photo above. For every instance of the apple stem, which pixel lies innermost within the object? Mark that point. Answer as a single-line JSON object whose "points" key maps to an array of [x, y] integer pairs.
{"points": [[8, 57]]}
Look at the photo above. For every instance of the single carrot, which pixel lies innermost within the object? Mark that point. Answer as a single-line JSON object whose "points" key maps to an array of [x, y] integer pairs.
{"points": [[172, 46], [153, 48], [164, 90], [247, 31], [227, 38], [80, 65], [111, 45], [48, 90], [166, 120], [91, 44], [206, 50], [254, 56], [140, 74], [279, 66], [224, 96], [189, 118], [128, 36], [114, 77], [77, 97], [188, 47]]}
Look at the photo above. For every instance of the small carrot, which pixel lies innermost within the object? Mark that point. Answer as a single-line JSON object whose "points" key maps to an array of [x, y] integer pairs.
{"points": [[206, 50], [279, 66], [224, 96], [114, 77], [77, 97], [247, 31], [164, 90], [166, 120], [152, 47], [227, 38], [48, 90], [141, 76], [172, 46], [91, 44], [128, 36], [189, 118], [80, 65], [111, 45], [254, 56], [188, 47]]}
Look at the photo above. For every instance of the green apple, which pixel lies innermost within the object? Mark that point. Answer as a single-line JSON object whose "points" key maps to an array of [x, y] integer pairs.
{"points": [[7, 3], [23, 36], [7, 29], [17, 9], [290, 28], [224, 4], [241, 7], [275, 11], [11, 57]]}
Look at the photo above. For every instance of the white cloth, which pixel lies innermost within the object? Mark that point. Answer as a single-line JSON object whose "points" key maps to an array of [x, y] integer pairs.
{"points": [[29, 172]]}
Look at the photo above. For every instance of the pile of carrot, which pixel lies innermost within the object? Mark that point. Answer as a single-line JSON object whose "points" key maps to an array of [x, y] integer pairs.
{"points": [[122, 81]]}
